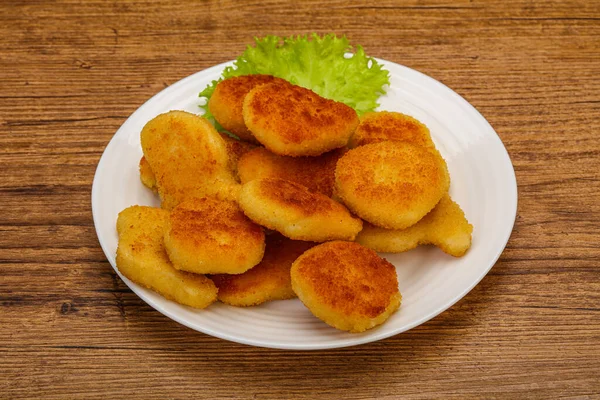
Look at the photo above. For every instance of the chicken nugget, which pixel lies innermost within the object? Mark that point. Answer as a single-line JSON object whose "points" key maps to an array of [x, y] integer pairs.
{"points": [[391, 184], [445, 227], [226, 102], [142, 258], [147, 176], [293, 121], [316, 173], [235, 150], [346, 285], [188, 158], [212, 236], [269, 280], [385, 125], [296, 212]]}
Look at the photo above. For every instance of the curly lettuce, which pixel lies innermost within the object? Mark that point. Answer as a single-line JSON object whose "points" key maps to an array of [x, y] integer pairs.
{"points": [[328, 65]]}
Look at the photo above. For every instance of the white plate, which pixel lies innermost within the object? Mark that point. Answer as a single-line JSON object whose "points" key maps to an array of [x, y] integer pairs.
{"points": [[483, 183]]}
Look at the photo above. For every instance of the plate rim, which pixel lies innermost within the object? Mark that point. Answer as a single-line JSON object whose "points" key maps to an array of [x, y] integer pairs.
{"points": [[307, 346]]}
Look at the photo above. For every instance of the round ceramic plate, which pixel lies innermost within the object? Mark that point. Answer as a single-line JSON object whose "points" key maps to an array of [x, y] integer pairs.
{"points": [[483, 183]]}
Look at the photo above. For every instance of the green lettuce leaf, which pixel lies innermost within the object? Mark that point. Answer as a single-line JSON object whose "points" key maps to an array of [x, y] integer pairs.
{"points": [[317, 63]]}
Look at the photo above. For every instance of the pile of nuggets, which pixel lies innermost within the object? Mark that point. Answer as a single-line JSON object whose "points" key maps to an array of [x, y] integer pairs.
{"points": [[297, 207]]}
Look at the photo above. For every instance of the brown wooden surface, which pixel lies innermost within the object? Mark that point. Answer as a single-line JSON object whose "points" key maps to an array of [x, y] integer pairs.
{"points": [[72, 71]]}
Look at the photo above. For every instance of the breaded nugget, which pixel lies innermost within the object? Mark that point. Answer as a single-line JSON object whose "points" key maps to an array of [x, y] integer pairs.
{"points": [[316, 173], [269, 280], [385, 125], [188, 157], [211, 236], [445, 227], [235, 150], [391, 184], [293, 121], [346, 285], [142, 258], [147, 176], [226, 102], [296, 212]]}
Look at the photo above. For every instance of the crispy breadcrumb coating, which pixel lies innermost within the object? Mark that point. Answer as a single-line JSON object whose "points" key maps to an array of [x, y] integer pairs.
{"points": [[445, 227], [316, 173], [391, 184], [385, 125], [188, 158], [293, 121], [227, 100], [142, 258], [269, 280], [346, 285], [211, 236], [296, 212]]}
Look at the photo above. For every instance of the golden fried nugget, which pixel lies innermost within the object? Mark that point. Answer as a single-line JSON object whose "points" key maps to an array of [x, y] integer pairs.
{"points": [[293, 121], [235, 150], [142, 258], [316, 173], [269, 280], [385, 125], [147, 176], [296, 212], [391, 184], [346, 285], [226, 102], [211, 236], [188, 157], [445, 227]]}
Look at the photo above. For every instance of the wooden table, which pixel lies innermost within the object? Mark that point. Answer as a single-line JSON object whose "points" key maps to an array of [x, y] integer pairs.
{"points": [[72, 71]]}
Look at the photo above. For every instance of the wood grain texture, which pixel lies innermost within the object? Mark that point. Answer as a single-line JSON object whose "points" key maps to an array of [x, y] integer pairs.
{"points": [[72, 71]]}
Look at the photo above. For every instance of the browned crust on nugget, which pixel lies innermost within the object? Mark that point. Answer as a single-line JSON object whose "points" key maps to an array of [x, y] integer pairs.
{"points": [[316, 173], [343, 274], [445, 227], [226, 102], [269, 280], [293, 121], [346, 285], [385, 125], [297, 197], [188, 158], [391, 184], [213, 236], [235, 150], [296, 212], [141, 257]]}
